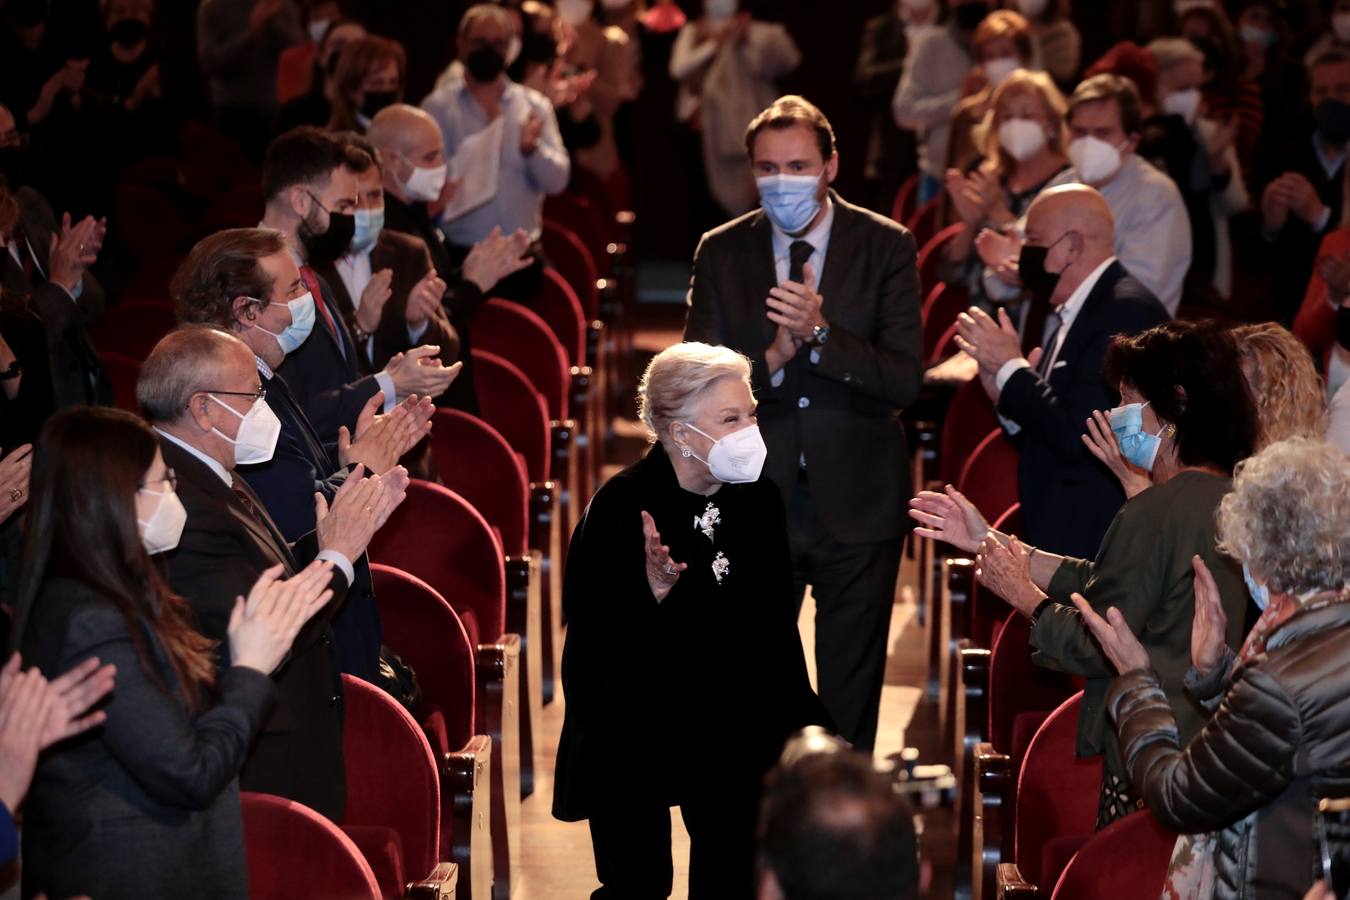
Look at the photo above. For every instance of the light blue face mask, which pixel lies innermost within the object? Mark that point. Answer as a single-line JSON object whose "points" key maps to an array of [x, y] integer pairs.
{"points": [[302, 323], [369, 224], [1137, 446], [1260, 592], [790, 201]]}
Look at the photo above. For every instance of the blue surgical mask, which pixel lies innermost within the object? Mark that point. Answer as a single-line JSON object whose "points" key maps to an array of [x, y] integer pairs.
{"points": [[1260, 592], [790, 201], [302, 322], [369, 224], [1137, 446]]}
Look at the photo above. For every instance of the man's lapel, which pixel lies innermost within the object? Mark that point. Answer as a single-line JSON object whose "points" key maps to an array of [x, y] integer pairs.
{"points": [[761, 275]]}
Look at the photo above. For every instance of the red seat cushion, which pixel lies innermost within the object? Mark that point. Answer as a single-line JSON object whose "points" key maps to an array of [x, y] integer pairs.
{"points": [[1055, 856], [383, 849]]}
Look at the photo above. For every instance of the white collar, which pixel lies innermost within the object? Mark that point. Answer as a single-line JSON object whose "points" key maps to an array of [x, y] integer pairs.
{"points": [[817, 237], [1071, 307], [222, 472]]}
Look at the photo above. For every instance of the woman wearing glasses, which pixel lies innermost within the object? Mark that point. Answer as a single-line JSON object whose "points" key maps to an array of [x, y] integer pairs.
{"points": [[147, 804]]}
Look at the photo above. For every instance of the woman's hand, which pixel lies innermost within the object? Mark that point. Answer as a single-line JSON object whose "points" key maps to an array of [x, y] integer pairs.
{"points": [[1007, 572], [662, 571], [1101, 443], [949, 517], [15, 469], [1210, 625], [73, 695], [263, 627], [1117, 641]]}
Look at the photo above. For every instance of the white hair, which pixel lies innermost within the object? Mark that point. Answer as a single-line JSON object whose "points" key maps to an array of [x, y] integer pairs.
{"points": [[678, 376]]}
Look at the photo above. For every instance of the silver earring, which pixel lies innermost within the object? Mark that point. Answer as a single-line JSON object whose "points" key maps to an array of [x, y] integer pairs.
{"points": [[686, 453]]}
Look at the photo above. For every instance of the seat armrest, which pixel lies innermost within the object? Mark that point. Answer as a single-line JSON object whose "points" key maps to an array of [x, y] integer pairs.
{"points": [[439, 884], [1012, 886], [992, 786], [466, 789]]}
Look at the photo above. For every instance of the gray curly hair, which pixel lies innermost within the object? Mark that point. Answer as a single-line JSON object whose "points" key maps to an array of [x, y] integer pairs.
{"points": [[1288, 516], [676, 379]]}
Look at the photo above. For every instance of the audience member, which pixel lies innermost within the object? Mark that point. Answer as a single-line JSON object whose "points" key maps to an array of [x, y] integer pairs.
{"points": [[1264, 38], [939, 71], [886, 42], [298, 62], [1338, 417], [1303, 191], [1001, 46], [1335, 38], [309, 181], [540, 66], [1328, 292], [202, 391], [828, 387], [126, 84], [1244, 790], [369, 77], [1188, 422], [727, 65], [1058, 47], [605, 51], [26, 387], [832, 827], [1229, 95], [1082, 297], [238, 42], [314, 106], [148, 805], [649, 596], [532, 161]]}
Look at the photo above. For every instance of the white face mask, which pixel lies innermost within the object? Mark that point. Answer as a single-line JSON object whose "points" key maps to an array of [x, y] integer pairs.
{"points": [[999, 68], [1022, 138], [1183, 103], [1033, 9], [1095, 159], [720, 9], [574, 12], [736, 458], [165, 527], [1340, 23], [318, 28], [513, 50], [425, 184], [258, 432]]}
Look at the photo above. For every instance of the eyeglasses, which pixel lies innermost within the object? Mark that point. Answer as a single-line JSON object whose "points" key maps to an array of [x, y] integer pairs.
{"points": [[170, 478], [259, 394]]}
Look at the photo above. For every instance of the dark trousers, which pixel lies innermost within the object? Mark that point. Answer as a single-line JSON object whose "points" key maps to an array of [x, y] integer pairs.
{"points": [[631, 840], [854, 589]]}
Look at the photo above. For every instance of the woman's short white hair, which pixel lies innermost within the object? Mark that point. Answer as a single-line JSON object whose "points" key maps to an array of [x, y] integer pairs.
{"points": [[1288, 516], [678, 376], [1171, 51]]}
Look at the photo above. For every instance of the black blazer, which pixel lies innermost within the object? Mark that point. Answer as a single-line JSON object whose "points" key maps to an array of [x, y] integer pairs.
{"points": [[325, 381], [146, 805], [1290, 257], [1068, 498], [299, 468], [222, 552], [843, 412], [77, 375]]}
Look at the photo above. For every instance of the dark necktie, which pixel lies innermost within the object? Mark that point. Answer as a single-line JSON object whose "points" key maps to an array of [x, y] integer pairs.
{"points": [[798, 254], [253, 506], [1052, 326], [311, 280]]}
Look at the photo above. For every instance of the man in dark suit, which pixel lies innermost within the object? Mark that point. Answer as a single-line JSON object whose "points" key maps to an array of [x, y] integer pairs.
{"points": [[823, 296], [309, 183], [48, 262], [1044, 399], [243, 282], [199, 388]]}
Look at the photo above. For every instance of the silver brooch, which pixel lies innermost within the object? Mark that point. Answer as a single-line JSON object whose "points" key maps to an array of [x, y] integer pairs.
{"points": [[704, 523], [720, 566]]}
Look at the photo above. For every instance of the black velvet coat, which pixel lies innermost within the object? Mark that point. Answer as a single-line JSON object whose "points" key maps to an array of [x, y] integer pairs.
{"points": [[699, 692]]}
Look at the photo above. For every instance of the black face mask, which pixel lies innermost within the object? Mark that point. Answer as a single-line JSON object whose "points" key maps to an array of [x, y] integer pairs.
{"points": [[969, 16], [376, 101], [1333, 121], [27, 13], [485, 64], [1031, 269], [128, 32], [328, 246]]}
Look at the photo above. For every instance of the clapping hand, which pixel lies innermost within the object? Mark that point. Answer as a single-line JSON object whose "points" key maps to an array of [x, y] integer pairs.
{"points": [[373, 298], [1000, 252], [419, 372], [796, 306], [15, 469], [424, 300], [662, 571], [949, 517], [991, 343], [1101, 443], [1114, 636], [74, 250], [497, 256], [1007, 572], [1334, 269], [359, 508], [1209, 628], [530, 133], [381, 440], [263, 627]]}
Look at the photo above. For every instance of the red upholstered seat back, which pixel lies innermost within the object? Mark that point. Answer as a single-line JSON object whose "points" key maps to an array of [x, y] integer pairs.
{"points": [[940, 308], [133, 328], [903, 205], [439, 537], [123, 371], [557, 304], [518, 334], [1017, 685], [924, 222], [512, 405], [1125, 860], [476, 462], [392, 780], [1056, 793], [574, 262], [930, 253], [989, 477], [576, 214], [970, 417], [293, 851]]}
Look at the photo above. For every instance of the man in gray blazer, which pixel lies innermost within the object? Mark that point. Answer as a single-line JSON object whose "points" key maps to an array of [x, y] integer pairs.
{"points": [[823, 296]]}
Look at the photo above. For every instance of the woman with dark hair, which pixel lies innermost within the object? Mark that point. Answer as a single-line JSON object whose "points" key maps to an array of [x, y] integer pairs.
{"points": [[370, 75], [147, 805], [1187, 418], [315, 105]]}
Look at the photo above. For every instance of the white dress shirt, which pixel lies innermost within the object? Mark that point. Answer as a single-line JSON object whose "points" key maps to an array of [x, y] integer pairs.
{"points": [[355, 270]]}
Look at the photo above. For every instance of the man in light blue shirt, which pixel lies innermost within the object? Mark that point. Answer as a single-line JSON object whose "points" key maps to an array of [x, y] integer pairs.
{"points": [[534, 162]]}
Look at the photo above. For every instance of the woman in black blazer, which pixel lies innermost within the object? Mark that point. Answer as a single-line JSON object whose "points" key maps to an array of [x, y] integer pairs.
{"points": [[147, 805]]}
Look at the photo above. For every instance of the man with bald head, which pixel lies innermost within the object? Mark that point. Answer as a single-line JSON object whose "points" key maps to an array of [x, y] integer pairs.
{"points": [[1045, 398]]}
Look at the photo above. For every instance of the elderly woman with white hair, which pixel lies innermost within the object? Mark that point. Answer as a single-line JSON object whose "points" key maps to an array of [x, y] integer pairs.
{"points": [[1245, 790], [683, 669]]}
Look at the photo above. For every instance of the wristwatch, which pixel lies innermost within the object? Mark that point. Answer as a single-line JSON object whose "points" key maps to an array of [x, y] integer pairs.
{"points": [[820, 334], [14, 371]]}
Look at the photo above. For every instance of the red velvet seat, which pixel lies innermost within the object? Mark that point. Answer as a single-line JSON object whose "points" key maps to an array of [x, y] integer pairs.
{"points": [[393, 791], [559, 305], [148, 223], [903, 205], [576, 214], [518, 334], [1125, 860], [293, 851], [989, 477], [940, 309], [924, 222], [133, 328], [969, 419], [572, 258], [512, 405], [930, 253], [123, 371]]}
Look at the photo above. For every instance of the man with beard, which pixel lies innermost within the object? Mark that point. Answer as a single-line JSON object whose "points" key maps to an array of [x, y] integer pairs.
{"points": [[309, 181]]}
